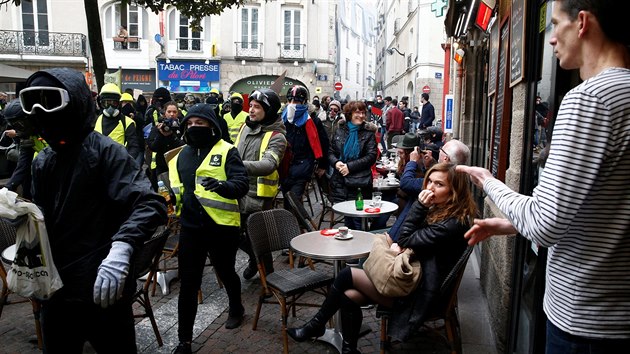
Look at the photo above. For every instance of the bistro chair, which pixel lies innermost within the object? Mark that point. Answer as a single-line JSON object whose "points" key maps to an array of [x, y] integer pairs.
{"points": [[146, 262], [323, 184], [446, 310], [8, 235], [307, 224], [272, 230]]}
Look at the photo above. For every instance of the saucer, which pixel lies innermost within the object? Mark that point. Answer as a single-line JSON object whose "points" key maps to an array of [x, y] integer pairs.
{"points": [[348, 237]]}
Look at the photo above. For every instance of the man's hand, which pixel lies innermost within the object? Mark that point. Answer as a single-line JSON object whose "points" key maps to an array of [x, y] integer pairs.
{"points": [[11, 133], [160, 127], [112, 273], [211, 184], [484, 228], [478, 175], [415, 155]]}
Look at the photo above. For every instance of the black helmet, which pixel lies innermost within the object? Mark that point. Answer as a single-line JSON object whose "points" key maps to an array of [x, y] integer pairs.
{"points": [[297, 93], [433, 130], [268, 99], [17, 119]]}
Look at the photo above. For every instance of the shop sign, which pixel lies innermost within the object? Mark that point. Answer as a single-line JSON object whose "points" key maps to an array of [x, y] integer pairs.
{"points": [[188, 76]]}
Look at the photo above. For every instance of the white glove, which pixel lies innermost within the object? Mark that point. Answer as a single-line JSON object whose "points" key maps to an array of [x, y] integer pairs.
{"points": [[110, 280]]}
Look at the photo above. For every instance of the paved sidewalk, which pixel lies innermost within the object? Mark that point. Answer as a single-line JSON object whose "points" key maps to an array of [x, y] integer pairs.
{"points": [[17, 332]]}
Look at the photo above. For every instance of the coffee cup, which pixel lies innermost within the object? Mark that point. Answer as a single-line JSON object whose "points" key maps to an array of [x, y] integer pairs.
{"points": [[343, 231], [391, 176]]}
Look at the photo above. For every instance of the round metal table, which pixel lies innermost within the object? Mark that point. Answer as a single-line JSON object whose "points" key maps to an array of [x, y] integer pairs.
{"points": [[348, 208], [315, 245]]}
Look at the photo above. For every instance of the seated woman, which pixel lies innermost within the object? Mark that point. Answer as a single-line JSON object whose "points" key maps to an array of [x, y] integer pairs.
{"points": [[352, 154], [434, 229]]}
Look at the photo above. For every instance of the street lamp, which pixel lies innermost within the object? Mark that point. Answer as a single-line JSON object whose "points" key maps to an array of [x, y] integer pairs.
{"points": [[391, 50]]}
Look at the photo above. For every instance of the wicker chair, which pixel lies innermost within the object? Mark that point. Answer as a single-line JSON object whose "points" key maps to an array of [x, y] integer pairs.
{"points": [[446, 310], [7, 238], [306, 222], [146, 262], [272, 230]]}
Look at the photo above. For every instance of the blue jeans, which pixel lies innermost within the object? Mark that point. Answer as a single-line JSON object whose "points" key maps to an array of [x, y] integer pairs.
{"points": [[560, 342]]}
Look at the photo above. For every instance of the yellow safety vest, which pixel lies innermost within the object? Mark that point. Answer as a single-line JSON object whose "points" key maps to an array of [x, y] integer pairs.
{"points": [[39, 144], [234, 124], [222, 210], [118, 134], [266, 186]]}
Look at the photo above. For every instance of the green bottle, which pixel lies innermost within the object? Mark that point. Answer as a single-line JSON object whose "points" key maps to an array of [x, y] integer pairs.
{"points": [[359, 202]]}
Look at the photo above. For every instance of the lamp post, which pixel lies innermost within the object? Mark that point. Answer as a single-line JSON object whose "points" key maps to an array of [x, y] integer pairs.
{"points": [[391, 50]]}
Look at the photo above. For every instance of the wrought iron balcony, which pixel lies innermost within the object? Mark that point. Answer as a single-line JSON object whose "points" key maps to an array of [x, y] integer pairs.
{"points": [[252, 50], [43, 43], [187, 44], [290, 51], [129, 43]]}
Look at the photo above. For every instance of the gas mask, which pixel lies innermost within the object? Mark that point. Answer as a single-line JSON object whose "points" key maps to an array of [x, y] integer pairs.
{"points": [[111, 112], [180, 105]]}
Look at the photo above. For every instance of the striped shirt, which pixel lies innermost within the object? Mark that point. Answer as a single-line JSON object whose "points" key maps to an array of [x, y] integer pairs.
{"points": [[581, 209]]}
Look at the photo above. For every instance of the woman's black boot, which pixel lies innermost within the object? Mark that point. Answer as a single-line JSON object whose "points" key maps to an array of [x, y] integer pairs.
{"points": [[351, 320], [316, 327]]}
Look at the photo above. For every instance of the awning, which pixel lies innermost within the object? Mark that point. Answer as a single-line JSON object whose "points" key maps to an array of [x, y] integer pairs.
{"points": [[13, 74]]}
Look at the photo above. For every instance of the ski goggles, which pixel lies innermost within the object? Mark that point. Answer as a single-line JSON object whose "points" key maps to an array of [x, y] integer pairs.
{"points": [[48, 99], [259, 96]]}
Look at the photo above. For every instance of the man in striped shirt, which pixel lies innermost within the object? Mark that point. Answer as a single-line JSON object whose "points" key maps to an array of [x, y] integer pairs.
{"points": [[581, 208]]}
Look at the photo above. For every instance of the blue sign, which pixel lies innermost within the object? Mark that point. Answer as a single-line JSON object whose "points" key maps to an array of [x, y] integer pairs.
{"points": [[438, 75], [322, 77], [188, 76], [448, 113]]}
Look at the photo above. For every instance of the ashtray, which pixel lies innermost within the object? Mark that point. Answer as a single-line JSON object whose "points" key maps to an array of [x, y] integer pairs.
{"points": [[372, 210], [329, 232]]}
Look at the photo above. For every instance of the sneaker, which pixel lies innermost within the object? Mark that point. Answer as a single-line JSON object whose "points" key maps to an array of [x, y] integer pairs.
{"points": [[234, 321], [250, 271], [182, 348]]}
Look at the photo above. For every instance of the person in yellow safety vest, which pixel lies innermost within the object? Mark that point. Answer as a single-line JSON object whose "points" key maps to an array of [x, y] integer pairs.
{"points": [[30, 145], [236, 117], [207, 178], [114, 124], [261, 143]]}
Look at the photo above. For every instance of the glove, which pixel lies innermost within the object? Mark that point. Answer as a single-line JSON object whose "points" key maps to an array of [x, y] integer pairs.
{"points": [[213, 185], [112, 273]]}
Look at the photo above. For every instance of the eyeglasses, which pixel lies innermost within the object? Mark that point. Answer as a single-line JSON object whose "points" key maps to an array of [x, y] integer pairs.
{"points": [[48, 99], [445, 153], [335, 110]]}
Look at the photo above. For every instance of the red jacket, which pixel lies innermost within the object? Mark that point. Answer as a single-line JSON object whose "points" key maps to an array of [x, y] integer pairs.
{"points": [[395, 120]]}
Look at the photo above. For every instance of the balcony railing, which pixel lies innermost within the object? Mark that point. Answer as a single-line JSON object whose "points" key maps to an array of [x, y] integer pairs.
{"points": [[292, 51], [187, 44], [248, 49], [129, 43], [43, 43]]}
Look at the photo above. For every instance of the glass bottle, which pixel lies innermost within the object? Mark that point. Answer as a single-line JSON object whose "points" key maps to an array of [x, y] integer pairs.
{"points": [[358, 203], [167, 195]]}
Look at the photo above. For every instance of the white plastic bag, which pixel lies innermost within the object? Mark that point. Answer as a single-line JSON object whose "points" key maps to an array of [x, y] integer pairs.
{"points": [[33, 272]]}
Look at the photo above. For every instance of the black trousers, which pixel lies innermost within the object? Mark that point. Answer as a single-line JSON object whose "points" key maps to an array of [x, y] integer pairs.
{"points": [[194, 246], [67, 324]]}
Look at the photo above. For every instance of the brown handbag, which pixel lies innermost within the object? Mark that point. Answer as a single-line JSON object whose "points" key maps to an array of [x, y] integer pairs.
{"points": [[393, 274]]}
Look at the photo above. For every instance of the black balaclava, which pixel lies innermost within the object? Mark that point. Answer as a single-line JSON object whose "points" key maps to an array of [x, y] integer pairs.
{"points": [[237, 107], [65, 130]]}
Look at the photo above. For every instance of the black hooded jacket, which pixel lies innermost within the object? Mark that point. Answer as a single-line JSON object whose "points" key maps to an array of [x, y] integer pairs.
{"points": [[92, 193]]}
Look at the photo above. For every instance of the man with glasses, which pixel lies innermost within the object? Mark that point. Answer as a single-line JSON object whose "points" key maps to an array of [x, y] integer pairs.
{"points": [[334, 116], [261, 142], [99, 208]]}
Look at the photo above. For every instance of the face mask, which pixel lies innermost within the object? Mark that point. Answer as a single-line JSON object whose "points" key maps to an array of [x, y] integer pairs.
{"points": [[200, 137], [111, 111], [236, 108], [127, 110], [180, 105], [291, 112]]}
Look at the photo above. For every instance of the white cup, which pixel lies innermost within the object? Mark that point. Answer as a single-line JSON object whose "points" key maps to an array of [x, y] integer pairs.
{"points": [[343, 231], [391, 176]]}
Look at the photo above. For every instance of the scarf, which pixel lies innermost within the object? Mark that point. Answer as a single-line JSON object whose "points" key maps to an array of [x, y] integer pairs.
{"points": [[351, 148], [300, 117]]}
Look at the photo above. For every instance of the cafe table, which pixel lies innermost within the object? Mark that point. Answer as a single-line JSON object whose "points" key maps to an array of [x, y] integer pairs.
{"points": [[348, 208], [318, 246]]}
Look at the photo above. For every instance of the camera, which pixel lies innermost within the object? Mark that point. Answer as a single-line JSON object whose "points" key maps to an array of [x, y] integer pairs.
{"points": [[169, 124]]}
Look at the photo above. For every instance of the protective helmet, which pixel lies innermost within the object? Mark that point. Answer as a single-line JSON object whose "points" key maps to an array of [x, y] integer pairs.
{"points": [[125, 97], [17, 119], [297, 93], [110, 88], [215, 91], [268, 99], [189, 98], [435, 133], [236, 95]]}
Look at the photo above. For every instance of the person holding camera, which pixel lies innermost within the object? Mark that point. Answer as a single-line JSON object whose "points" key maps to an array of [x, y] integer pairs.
{"points": [[164, 136]]}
